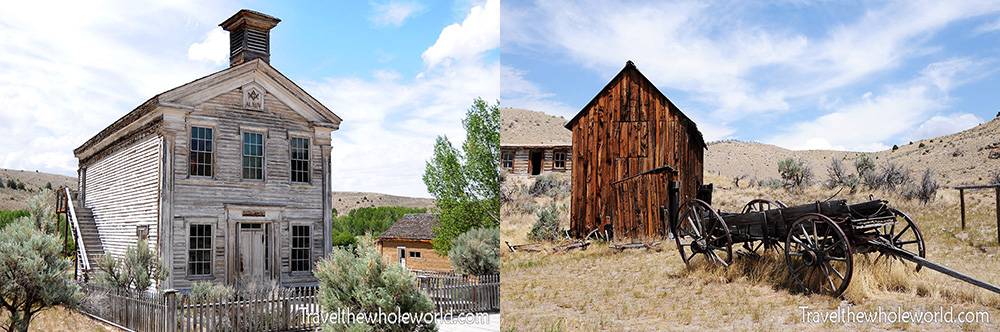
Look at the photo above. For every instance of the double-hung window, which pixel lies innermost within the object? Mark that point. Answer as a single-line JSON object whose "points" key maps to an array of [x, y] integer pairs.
{"points": [[253, 156], [200, 250], [300, 160], [301, 237], [201, 152]]}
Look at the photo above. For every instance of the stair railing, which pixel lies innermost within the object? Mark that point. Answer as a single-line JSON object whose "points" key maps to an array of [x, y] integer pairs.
{"points": [[81, 248]]}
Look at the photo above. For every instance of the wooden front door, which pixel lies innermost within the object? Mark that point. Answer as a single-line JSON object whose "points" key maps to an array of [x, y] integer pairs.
{"points": [[402, 255], [253, 252]]}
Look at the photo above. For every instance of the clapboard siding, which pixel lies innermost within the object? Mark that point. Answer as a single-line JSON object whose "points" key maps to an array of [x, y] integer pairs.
{"points": [[123, 192], [204, 200], [628, 128]]}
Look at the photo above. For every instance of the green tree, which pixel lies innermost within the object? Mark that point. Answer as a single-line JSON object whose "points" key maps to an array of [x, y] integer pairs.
{"points": [[33, 272], [476, 252], [466, 184], [363, 282], [140, 268]]}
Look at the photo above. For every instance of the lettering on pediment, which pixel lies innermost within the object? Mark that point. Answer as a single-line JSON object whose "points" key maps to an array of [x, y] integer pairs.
{"points": [[253, 97]]}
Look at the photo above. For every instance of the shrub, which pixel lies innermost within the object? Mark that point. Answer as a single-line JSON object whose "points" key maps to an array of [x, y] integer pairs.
{"points": [[546, 226], [852, 182], [32, 271], [371, 220], [139, 269], [204, 291], [20, 185], [48, 185], [550, 185], [476, 252], [864, 163], [895, 147], [365, 283], [11, 184], [921, 145], [928, 187], [894, 176], [7, 217], [835, 173], [794, 172]]}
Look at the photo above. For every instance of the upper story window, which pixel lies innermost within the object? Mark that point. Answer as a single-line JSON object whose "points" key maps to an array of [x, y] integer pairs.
{"points": [[253, 156], [560, 160], [300, 159], [201, 151], [508, 159]]}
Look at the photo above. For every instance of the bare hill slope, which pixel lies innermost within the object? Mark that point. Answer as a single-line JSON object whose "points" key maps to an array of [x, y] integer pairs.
{"points": [[960, 158], [525, 127], [345, 201], [14, 199]]}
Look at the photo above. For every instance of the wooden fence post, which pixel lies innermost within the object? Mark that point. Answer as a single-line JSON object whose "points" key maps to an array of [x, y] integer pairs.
{"points": [[961, 199], [170, 310]]}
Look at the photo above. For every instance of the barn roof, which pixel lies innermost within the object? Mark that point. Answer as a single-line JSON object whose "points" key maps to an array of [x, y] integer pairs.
{"points": [[630, 67], [521, 127], [416, 226]]}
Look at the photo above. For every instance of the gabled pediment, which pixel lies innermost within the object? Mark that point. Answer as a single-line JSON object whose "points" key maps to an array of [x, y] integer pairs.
{"points": [[254, 78]]}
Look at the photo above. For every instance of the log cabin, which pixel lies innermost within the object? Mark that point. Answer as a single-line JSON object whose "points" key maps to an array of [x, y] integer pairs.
{"points": [[629, 128], [227, 177], [408, 243], [533, 142]]}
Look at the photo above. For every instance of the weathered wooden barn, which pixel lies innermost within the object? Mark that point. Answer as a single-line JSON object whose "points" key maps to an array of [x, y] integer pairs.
{"points": [[629, 128], [534, 142], [228, 176], [408, 243]]}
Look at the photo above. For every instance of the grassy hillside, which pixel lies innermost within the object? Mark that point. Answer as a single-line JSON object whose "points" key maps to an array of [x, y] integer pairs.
{"points": [[14, 199], [960, 158]]}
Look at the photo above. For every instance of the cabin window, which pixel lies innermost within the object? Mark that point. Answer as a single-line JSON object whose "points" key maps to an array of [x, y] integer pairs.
{"points": [[253, 156], [560, 160], [300, 159], [508, 160], [414, 254], [301, 236], [201, 151], [200, 250]]}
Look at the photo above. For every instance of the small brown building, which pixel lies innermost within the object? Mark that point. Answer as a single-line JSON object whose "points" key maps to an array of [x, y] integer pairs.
{"points": [[630, 127], [534, 142], [408, 243]]}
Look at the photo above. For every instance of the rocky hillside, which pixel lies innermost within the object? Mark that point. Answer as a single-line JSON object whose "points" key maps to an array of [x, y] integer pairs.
{"points": [[525, 127], [967, 157]]}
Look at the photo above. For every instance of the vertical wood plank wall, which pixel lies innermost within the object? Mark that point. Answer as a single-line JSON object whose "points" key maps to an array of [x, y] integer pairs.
{"points": [[630, 128], [123, 192]]}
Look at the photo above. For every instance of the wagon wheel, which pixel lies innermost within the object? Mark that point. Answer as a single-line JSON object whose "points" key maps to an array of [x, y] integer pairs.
{"points": [[818, 255], [702, 231], [758, 205], [907, 238]]}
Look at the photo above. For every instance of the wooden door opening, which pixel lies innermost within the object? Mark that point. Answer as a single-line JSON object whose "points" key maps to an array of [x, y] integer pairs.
{"points": [[536, 162], [402, 255], [254, 252]]}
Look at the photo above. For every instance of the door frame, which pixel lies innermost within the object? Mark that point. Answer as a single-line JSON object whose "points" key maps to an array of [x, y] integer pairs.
{"points": [[401, 252], [271, 217]]}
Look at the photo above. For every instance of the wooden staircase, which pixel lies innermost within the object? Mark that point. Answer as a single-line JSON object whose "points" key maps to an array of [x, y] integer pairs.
{"points": [[88, 234]]}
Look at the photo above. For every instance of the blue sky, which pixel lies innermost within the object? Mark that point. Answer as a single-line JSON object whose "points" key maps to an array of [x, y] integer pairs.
{"points": [[398, 72], [840, 75]]}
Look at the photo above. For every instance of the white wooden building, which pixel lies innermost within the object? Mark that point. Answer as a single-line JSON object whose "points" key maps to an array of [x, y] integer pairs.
{"points": [[228, 176]]}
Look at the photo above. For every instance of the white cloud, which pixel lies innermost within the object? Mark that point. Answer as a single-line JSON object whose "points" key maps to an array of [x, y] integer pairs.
{"points": [[734, 65], [394, 12], [987, 27], [873, 120], [941, 125], [479, 32], [214, 48]]}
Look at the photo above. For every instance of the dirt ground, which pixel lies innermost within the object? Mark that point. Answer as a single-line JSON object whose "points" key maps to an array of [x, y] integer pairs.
{"points": [[61, 319], [643, 290]]}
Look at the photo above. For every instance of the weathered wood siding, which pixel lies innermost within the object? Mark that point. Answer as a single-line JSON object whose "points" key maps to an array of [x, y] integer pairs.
{"points": [[629, 128], [123, 191], [205, 200], [428, 261], [522, 159]]}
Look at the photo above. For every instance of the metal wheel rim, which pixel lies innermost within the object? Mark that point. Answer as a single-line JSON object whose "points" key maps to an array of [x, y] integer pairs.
{"points": [[696, 214], [817, 233]]}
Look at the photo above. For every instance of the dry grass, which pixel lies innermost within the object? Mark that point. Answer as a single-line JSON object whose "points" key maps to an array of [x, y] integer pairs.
{"points": [[61, 319], [646, 290]]}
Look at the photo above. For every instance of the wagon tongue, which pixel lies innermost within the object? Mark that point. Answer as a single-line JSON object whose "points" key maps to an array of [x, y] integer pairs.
{"points": [[903, 254]]}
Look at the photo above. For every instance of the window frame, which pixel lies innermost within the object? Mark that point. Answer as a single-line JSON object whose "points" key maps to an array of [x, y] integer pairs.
{"points": [[292, 249], [556, 160], [263, 154], [412, 254], [502, 159], [212, 159], [211, 257], [292, 160]]}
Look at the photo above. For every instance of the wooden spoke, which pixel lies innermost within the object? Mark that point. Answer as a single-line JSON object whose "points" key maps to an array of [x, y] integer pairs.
{"points": [[813, 249], [703, 232]]}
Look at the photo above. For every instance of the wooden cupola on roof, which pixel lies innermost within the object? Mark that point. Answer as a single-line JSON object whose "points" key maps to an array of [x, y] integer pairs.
{"points": [[249, 36]]}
